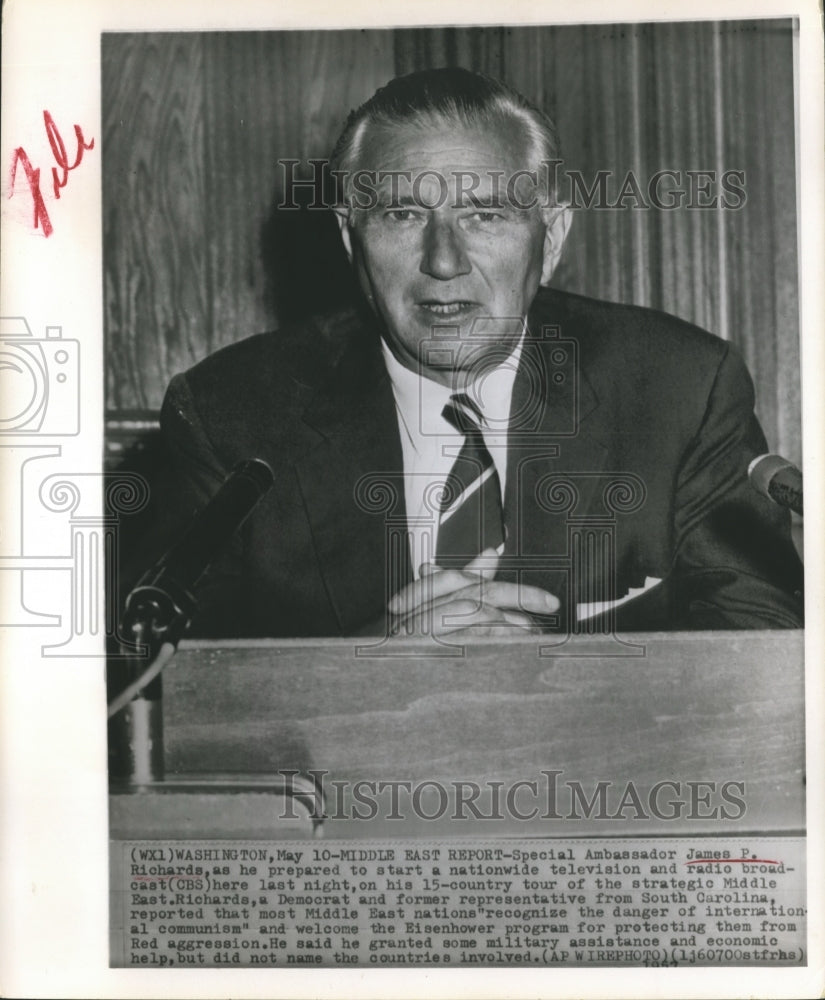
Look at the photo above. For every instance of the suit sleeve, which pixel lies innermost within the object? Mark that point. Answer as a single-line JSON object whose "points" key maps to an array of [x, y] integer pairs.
{"points": [[735, 564], [187, 473], [194, 468]]}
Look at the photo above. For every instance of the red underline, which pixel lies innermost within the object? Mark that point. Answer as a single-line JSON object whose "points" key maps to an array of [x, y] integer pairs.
{"points": [[732, 861]]}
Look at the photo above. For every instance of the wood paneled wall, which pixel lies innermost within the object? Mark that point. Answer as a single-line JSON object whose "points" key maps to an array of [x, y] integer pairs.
{"points": [[196, 255]]}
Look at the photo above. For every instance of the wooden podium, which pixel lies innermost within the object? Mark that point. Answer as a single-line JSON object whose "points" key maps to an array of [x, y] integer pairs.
{"points": [[693, 710]]}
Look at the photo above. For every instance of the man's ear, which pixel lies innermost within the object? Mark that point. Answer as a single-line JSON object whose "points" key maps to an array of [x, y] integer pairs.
{"points": [[342, 215], [557, 222]]}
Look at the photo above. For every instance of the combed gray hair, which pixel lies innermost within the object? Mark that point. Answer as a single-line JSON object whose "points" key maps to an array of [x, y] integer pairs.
{"points": [[446, 98]]}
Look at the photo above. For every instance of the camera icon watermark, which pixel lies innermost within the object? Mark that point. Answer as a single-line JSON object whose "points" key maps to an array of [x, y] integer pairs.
{"points": [[39, 381], [40, 401], [543, 365]]}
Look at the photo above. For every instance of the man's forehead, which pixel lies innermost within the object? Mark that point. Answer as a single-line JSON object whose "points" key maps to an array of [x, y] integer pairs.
{"points": [[415, 148]]}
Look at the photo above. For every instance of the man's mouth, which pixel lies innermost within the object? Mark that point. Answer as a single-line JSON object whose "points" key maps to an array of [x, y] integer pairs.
{"points": [[455, 307]]}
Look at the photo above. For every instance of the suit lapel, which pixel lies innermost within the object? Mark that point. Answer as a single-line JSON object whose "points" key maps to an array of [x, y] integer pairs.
{"points": [[352, 485], [554, 459]]}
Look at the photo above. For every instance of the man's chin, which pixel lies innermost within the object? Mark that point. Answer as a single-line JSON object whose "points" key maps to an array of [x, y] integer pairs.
{"points": [[446, 351], [463, 364]]}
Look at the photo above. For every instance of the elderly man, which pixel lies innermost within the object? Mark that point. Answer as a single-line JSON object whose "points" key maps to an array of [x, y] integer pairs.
{"points": [[466, 450]]}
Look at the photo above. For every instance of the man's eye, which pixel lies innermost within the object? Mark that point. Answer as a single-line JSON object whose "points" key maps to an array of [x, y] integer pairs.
{"points": [[402, 215], [488, 217]]}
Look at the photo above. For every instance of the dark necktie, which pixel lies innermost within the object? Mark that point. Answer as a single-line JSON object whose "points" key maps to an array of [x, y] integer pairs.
{"points": [[470, 518]]}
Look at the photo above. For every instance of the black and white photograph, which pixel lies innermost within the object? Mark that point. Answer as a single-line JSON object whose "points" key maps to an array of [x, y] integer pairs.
{"points": [[441, 573]]}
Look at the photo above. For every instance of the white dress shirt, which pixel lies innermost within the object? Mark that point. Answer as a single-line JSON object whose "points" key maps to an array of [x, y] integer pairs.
{"points": [[429, 444]]}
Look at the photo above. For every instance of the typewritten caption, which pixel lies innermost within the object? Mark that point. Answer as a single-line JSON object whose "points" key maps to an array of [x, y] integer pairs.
{"points": [[573, 902]]}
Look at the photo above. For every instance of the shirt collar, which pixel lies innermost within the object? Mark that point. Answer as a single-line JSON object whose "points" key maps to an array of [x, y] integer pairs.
{"points": [[420, 400]]}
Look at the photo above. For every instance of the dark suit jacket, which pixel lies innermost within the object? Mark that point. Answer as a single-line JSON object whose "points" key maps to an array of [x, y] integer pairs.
{"points": [[631, 436]]}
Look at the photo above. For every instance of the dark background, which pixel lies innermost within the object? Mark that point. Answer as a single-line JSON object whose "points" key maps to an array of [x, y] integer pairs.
{"points": [[195, 255]]}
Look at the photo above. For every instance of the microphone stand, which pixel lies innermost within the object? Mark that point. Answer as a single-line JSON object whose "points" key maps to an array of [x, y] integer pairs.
{"points": [[153, 622]]}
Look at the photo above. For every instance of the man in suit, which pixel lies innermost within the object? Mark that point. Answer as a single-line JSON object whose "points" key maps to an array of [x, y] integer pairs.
{"points": [[465, 450]]}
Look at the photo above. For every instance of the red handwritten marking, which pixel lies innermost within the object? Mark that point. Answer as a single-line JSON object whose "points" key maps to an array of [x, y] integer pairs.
{"points": [[732, 861], [60, 173], [41, 216]]}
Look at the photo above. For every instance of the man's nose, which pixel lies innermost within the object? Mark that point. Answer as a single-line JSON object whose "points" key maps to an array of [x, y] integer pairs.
{"points": [[443, 256]]}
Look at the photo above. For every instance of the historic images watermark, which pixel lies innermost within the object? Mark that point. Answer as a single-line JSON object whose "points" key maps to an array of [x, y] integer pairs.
{"points": [[548, 185], [546, 796]]}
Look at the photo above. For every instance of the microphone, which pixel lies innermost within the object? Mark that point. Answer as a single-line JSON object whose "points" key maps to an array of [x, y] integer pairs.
{"points": [[778, 480], [164, 599]]}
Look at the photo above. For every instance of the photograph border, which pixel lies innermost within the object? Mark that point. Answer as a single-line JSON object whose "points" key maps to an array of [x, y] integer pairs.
{"points": [[54, 923]]}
